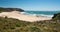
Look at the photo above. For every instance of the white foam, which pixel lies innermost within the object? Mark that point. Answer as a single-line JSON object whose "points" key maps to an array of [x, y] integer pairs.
{"points": [[46, 15], [25, 13]]}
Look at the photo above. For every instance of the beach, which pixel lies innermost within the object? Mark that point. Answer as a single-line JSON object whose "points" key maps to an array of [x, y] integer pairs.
{"points": [[20, 16]]}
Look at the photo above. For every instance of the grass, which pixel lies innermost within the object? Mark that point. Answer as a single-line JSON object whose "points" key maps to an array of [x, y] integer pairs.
{"points": [[15, 25]]}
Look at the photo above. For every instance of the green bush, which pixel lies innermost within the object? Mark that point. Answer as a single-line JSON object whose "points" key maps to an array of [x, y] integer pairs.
{"points": [[35, 29], [17, 25]]}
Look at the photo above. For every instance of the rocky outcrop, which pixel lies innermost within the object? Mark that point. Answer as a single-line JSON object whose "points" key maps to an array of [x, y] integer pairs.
{"points": [[56, 16]]}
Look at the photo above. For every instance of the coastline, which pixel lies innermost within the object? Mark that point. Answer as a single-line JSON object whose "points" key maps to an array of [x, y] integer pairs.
{"points": [[35, 14], [20, 16]]}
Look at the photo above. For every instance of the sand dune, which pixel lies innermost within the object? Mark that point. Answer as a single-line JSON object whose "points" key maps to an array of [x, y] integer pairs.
{"points": [[17, 15]]}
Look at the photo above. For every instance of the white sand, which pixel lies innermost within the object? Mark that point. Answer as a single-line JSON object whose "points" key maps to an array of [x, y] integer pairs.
{"points": [[17, 15]]}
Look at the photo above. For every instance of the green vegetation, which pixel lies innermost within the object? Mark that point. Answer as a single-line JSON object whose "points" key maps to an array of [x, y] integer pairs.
{"points": [[10, 9], [15, 25], [56, 16]]}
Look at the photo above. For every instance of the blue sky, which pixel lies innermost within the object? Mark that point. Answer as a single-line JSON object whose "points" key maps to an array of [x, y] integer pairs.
{"points": [[49, 5]]}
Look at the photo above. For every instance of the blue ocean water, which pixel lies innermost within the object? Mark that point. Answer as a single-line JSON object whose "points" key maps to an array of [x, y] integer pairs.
{"points": [[42, 13]]}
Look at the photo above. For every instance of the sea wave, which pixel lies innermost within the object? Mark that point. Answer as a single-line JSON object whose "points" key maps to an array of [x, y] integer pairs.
{"points": [[46, 15], [25, 13]]}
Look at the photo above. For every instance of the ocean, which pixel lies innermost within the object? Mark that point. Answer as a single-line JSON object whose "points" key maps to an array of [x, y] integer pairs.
{"points": [[41, 13]]}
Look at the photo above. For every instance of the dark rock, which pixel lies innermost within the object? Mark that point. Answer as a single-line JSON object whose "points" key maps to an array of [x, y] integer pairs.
{"points": [[56, 16]]}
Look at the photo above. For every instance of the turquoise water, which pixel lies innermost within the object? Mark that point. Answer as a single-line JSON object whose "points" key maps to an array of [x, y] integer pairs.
{"points": [[42, 13]]}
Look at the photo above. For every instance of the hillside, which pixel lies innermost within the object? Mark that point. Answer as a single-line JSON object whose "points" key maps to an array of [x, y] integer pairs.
{"points": [[10, 9], [15, 25]]}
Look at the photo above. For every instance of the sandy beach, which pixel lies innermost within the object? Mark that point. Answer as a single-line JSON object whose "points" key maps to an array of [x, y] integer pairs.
{"points": [[18, 15]]}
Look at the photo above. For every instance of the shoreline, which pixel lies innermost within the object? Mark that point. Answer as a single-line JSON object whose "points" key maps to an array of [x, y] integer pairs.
{"points": [[32, 14], [18, 15]]}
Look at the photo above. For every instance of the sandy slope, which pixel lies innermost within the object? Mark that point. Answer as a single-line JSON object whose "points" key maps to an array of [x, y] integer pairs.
{"points": [[17, 15]]}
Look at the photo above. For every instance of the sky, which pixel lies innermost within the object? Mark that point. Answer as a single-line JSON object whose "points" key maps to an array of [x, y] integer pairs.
{"points": [[36, 5]]}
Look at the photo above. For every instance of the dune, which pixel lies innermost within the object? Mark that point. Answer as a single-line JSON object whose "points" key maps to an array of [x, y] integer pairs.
{"points": [[18, 15]]}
